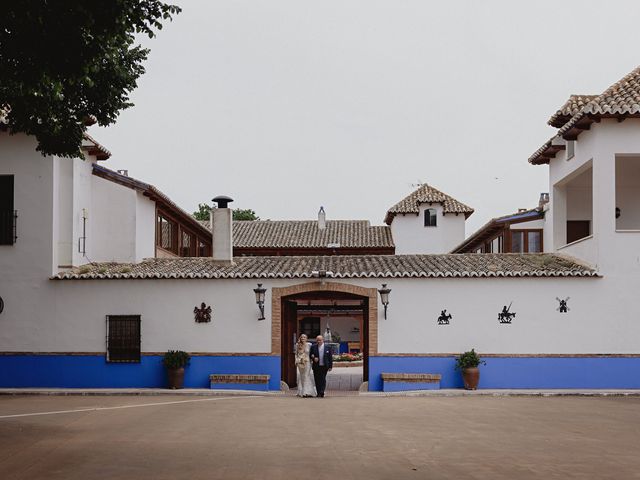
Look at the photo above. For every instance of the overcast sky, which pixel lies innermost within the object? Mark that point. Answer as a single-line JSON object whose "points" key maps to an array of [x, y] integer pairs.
{"points": [[289, 105]]}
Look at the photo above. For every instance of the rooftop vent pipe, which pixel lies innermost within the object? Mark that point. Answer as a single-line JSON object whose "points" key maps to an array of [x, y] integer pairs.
{"points": [[322, 219], [222, 230]]}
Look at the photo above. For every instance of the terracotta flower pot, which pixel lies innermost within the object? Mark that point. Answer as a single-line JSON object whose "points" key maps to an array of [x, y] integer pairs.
{"points": [[471, 377], [175, 377]]}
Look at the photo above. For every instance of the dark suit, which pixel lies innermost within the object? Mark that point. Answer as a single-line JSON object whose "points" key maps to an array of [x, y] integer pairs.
{"points": [[320, 371]]}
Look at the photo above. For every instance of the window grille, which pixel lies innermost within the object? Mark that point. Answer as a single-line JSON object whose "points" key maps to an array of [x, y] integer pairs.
{"points": [[8, 216], [123, 338], [167, 235]]}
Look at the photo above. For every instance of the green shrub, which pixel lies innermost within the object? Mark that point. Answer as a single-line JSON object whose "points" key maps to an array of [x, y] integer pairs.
{"points": [[176, 359], [469, 360]]}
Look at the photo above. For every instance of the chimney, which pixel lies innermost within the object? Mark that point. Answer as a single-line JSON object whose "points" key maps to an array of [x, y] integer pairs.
{"points": [[222, 230], [322, 219], [544, 199]]}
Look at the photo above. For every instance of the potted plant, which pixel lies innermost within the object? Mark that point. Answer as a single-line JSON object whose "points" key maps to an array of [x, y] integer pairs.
{"points": [[468, 363], [175, 361]]}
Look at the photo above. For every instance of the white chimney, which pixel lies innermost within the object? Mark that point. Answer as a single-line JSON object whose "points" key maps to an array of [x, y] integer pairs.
{"points": [[222, 230], [322, 219]]}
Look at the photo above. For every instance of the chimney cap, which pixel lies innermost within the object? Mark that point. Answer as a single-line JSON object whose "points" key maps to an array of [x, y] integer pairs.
{"points": [[222, 201]]}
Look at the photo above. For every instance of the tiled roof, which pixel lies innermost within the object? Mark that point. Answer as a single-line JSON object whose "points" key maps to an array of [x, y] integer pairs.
{"points": [[426, 194], [548, 150], [621, 98], [342, 266], [94, 148], [306, 234], [572, 106]]}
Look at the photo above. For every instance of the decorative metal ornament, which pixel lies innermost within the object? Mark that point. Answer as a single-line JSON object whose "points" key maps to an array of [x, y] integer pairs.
{"points": [[202, 314], [563, 308], [506, 315], [444, 317], [1, 305]]}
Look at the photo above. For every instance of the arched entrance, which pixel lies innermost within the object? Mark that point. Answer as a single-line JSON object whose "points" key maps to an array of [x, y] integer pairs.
{"points": [[308, 307]]}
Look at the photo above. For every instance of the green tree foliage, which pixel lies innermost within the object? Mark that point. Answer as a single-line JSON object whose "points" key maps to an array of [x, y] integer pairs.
{"points": [[63, 62], [204, 213], [244, 214]]}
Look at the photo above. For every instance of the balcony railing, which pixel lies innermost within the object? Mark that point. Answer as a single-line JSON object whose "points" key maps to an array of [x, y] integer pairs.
{"points": [[8, 227]]}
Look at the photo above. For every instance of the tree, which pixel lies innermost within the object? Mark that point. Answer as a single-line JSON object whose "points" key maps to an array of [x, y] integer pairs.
{"points": [[204, 213], [67, 63], [244, 214]]}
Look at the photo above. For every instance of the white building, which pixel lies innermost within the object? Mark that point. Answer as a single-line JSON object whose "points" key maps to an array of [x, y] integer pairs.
{"points": [[105, 274]]}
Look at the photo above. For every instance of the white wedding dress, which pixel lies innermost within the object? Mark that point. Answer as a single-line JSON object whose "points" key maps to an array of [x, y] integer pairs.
{"points": [[306, 383]]}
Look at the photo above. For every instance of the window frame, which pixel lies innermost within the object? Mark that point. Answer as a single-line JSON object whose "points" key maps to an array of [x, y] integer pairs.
{"points": [[9, 216], [525, 239], [137, 353], [428, 217]]}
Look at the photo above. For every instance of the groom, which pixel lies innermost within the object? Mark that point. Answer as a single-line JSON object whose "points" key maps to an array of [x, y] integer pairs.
{"points": [[321, 362]]}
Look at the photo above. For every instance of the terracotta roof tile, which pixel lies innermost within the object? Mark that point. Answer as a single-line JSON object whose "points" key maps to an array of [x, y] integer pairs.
{"points": [[426, 194], [573, 105], [621, 98], [306, 234], [341, 266]]}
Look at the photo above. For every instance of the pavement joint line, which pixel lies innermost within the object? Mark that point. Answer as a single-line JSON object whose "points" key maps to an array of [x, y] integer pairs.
{"points": [[96, 409]]}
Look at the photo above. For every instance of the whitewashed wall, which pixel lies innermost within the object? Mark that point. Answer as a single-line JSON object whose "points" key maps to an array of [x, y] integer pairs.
{"points": [[412, 237], [122, 223], [64, 316], [612, 251]]}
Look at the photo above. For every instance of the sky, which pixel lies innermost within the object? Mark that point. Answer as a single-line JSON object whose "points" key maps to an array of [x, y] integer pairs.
{"points": [[289, 105]]}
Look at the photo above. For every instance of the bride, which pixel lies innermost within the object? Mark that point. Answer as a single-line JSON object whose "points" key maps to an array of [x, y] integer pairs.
{"points": [[306, 384]]}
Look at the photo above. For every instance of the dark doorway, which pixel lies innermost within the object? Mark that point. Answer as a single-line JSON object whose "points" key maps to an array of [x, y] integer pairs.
{"points": [[577, 229], [310, 313]]}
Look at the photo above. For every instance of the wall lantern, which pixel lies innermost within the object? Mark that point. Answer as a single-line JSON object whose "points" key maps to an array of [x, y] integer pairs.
{"points": [[384, 297], [260, 291], [1, 305]]}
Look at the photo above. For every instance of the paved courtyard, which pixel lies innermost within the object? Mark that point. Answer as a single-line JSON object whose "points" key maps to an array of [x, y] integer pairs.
{"points": [[176, 437]]}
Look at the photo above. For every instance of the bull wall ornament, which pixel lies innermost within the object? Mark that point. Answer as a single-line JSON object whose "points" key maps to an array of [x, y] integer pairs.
{"points": [[506, 315], [202, 314]]}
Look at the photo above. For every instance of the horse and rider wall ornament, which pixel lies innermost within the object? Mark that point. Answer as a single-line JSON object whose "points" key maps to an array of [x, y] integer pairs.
{"points": [[202, 314], [506, 315], [444, 317], [562, 308]]}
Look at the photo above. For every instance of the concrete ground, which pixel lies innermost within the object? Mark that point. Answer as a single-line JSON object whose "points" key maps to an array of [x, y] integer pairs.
{"points": [[282, 437]]}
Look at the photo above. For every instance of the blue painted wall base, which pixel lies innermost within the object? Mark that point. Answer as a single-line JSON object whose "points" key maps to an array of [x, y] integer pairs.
{"points": [[519, 372], [92, 371]]}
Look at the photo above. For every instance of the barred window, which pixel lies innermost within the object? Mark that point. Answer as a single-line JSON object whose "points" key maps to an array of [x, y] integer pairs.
{"points": [[167, 234], [7, 214], [123, 338]]}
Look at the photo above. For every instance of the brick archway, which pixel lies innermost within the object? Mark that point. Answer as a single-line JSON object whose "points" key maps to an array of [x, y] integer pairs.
{"points": [[278, 293]]}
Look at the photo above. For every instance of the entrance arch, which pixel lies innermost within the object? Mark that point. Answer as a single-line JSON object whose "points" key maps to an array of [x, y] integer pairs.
{"points": [[284, 318]]}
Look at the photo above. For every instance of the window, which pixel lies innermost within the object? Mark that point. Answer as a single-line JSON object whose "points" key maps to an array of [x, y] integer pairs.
{"points": [[526, 241], [167, 234], [497, 245], [188, 246], [310, 326], [430, 217], [7, 213], [534, 242], [517, 242], [203, 249], [123, 338]]}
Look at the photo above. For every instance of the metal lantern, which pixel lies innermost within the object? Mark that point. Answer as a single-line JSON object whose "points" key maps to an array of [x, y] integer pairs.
{"points": [[260, 293], [384, 297]]}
